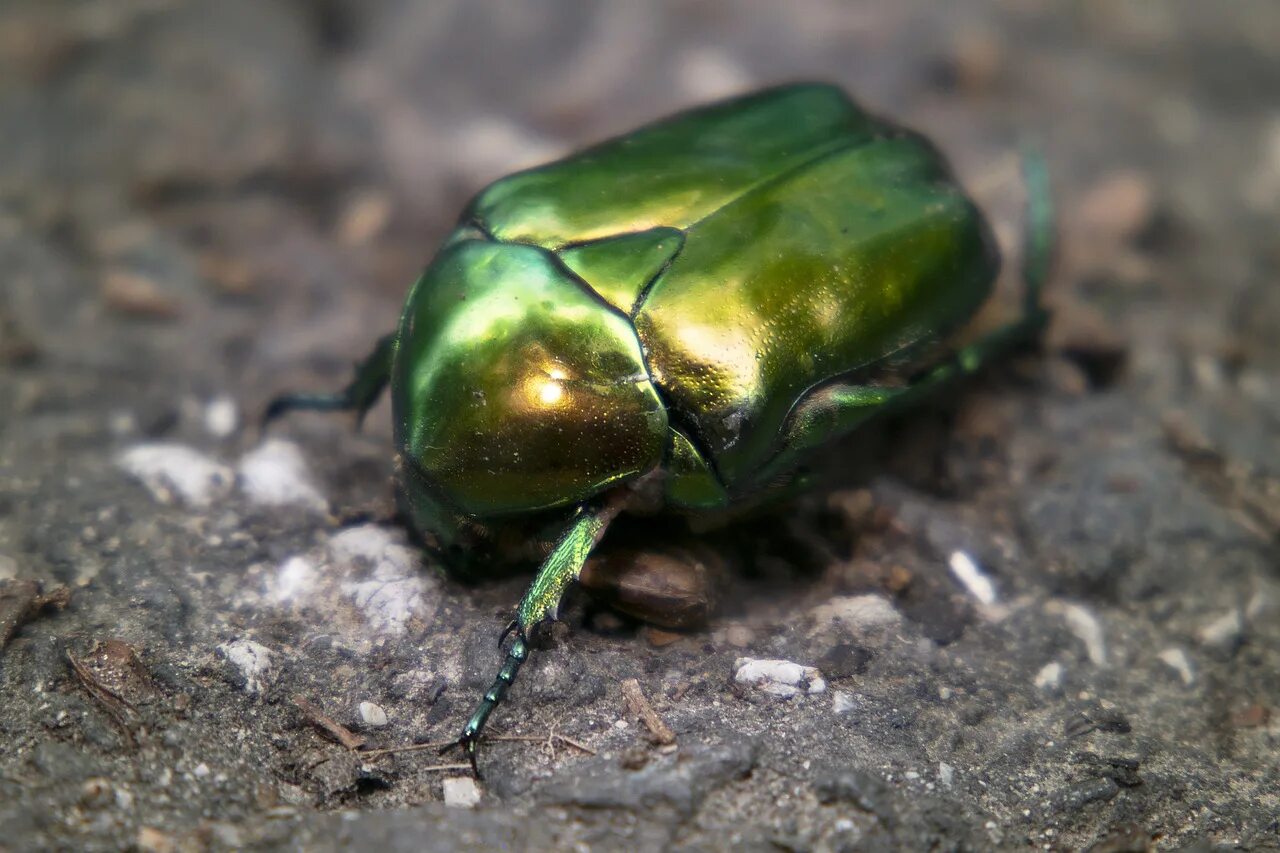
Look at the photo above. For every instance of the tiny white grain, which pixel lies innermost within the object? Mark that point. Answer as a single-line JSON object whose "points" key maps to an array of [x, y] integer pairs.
{"points": [[977, 582]]}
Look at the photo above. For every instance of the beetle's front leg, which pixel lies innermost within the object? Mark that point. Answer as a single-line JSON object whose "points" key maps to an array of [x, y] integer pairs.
{"points": [[540, 604], [361, 393]]}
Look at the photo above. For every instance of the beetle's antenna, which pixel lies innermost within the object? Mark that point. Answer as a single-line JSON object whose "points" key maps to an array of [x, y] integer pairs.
{"points": [[540, 603]]}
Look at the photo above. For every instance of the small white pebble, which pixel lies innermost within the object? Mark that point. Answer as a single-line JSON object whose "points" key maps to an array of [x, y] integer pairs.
{"points": [[1208, 372], [461, 792], [174, 472], [293, 579], [977, 582], [362, 542], [1177, 660], [858, 613], [779, 677], [739, 636], [946, 774], [373, 715], [620, 724], [275, 474], [1086, 626], [252, 659], [221, 417], [911, 774], [1223, 632], [391, 598], [1049, 677], [201, 770], [842, 702]]}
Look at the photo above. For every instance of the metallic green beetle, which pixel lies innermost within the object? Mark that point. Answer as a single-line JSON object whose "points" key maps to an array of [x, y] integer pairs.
{"points": [[671, 319]]}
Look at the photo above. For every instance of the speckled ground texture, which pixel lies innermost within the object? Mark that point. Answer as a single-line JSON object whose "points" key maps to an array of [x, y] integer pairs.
{"points": [[204, 204]]}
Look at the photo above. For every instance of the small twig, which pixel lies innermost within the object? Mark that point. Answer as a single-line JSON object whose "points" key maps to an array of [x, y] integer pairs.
{"points": [[564, 739], [578, 745], [659, 732], [324, 722], [413, 747], [418, 747], [459, 766]]}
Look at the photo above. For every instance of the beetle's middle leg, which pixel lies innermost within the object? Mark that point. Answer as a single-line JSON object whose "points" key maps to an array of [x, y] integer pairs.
{"points": [[540, 604], [372, 376]]}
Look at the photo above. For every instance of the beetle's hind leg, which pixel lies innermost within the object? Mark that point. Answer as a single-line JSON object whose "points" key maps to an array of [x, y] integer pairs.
{"points": [[1037, 234], [540, 604], [1037, 263], [372, 376]]}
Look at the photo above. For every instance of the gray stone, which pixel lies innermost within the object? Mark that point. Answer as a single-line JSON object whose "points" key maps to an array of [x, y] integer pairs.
{"points": [[678, 782]]}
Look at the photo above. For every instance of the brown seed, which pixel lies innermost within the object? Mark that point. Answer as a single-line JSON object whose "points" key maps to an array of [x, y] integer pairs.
{"points": [[365, 217], [659, 638], [152, 840], [1119, 206], [138, 295]]}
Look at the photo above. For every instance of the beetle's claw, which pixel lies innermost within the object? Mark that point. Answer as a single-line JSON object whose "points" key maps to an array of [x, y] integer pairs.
{"points": [[512, 627], [468, 745]]}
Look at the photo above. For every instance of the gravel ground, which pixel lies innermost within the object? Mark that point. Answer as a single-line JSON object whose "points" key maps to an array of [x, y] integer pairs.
{"points": [[1044, 613]]}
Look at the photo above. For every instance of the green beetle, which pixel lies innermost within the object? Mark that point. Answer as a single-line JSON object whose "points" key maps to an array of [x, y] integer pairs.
{"points": [[669, 321]]}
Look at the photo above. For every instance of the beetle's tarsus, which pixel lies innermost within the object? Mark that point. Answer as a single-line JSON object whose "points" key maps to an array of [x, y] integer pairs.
{"points": [[470, 747], [467, 743]]}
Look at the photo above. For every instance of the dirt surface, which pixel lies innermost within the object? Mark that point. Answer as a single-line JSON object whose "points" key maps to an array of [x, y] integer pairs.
{"points": [[204, 204]]}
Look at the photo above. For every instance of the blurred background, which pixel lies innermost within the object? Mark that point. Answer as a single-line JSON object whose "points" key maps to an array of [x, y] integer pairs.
{"points": [[203, 204]]}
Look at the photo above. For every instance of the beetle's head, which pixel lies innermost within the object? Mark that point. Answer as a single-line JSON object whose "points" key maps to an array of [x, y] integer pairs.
{"points": [[515, 389]]}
